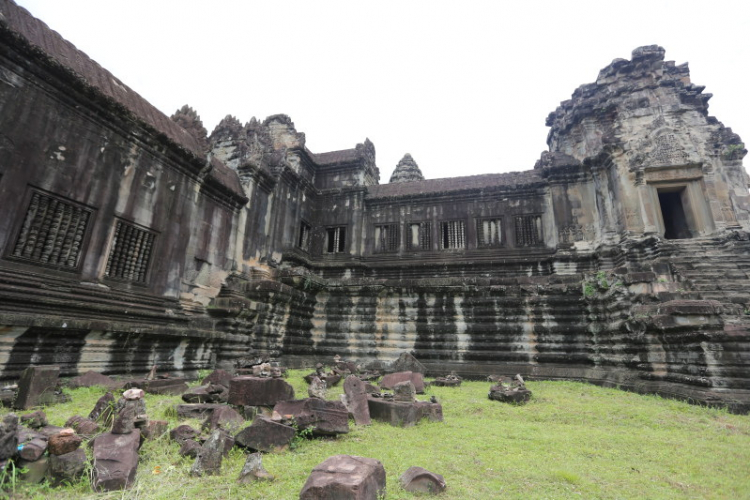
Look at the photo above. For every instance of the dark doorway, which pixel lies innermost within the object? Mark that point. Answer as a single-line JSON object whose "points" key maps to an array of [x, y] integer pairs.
{"points": [[672, 211]]}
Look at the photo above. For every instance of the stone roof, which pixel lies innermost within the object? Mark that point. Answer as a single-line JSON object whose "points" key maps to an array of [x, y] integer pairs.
{"points": [[61, 52], [455, 184], [407, 170], [335, 157]]}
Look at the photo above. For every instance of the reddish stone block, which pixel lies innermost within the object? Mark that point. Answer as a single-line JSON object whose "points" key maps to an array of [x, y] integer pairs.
{"points": [[259, 391], [389, 381], [345, 477]]}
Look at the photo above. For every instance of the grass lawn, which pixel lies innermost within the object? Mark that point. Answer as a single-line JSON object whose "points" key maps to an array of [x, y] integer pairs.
{"points": [[571, 440]]}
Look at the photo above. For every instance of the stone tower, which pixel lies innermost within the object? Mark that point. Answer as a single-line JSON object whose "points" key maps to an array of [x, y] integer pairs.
{"points": [[407, 170]]}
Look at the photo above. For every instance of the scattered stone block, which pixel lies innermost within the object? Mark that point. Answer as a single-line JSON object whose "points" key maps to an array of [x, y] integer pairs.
{"points": [[181, 433], [253, 470], [448, 381], [190, 448], [259, 391], [389, 381], [36, 470], [250, 412], [164, 386], [35, 420], [197, 410], [403, 414], [115, 460], [104, 409], [64, 442], [83, 426], [419, 480], [317, 388], [68, 467], [227, 442], [510, 391], [154, 429], [210, 455], [408, 363], [32, 447], [325, 418], [371, 388], [37, 386], [50, 430], [91, 379], [345, 367], [332, 380], [210, 393], [355, 400], [404, 392], [218, 377], [8, 436], [345, 477], [125, 417], [7, 396], [515, 396], [266, 435], [224, 418]]}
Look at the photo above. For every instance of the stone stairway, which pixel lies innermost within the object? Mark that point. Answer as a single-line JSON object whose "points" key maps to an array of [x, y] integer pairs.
{"points": [[715, 270]]}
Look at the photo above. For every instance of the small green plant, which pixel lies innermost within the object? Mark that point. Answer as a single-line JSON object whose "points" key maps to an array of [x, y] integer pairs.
{"points": [[589, 290], [300, 435], [10, 474], [731, 149], [601, 277]]}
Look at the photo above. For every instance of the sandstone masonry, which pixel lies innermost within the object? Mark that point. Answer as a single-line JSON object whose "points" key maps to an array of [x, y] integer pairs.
{"points": [[128, 238]]}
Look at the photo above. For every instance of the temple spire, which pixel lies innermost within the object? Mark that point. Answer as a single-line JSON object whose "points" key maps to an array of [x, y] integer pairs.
{"points": [[407, 171]]}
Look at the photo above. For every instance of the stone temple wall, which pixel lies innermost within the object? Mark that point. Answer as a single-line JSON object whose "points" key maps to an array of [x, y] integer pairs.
{"points": [[129, 238]]}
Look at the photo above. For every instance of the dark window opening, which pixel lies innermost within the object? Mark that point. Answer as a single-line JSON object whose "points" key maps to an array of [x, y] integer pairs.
{"points": [[336, 239], [452, 235], [304, 236], [529, 230], [673, 213]]}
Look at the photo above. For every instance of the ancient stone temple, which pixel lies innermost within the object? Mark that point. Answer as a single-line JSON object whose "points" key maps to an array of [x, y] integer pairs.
{"points": [[129, 238]]}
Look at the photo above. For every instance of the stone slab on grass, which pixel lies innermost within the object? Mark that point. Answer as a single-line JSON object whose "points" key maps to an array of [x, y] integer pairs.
{"points": [[404, 414], [115, 460], [420, 480], [325, 418], [345, 477], [259, 391], [392, 379], [266, 435]]}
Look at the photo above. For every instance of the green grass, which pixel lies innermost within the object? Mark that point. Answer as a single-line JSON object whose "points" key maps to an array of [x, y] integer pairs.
{"points": [[571, 440]]}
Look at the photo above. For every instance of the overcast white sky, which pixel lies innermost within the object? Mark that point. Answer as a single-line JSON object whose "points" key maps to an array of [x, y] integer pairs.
{"points": [[465, 87]]}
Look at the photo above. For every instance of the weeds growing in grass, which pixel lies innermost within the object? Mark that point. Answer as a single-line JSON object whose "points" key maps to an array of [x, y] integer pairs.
{"points": [[571, 440]]}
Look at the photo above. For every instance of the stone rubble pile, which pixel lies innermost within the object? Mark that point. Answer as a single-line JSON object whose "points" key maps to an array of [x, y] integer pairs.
{"points": [[255, 412]]}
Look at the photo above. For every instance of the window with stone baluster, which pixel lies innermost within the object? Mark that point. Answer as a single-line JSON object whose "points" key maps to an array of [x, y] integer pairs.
{"points": [[130, 253], [452, 235], [336, 239], [53, 232], [386, 238], [528, 230], [489, 232], [418, 236]]}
